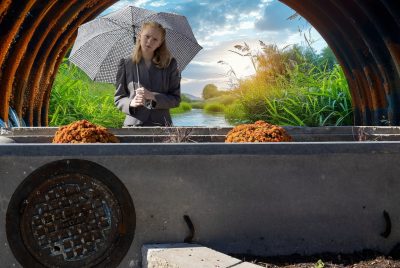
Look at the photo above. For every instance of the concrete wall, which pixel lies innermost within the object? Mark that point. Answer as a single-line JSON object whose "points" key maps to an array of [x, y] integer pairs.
{"points": [[214, 134], [259, 199]]}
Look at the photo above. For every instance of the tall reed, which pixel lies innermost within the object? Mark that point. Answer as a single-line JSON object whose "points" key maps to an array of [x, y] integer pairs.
{"points": [[299, 92]]}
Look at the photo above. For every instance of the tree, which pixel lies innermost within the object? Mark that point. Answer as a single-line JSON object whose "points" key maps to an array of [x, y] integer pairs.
{"points": [[210, 91], [327, 58]]}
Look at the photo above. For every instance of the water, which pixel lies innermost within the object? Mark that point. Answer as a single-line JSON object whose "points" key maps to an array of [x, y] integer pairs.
{"points": [[196, 117]]}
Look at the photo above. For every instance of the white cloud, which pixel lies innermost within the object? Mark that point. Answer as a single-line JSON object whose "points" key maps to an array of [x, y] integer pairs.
{"points": [[140, 3], [246, 25], [158, 4]]}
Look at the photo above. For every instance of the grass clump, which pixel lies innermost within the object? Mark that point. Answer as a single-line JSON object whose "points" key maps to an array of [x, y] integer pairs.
{"points": [[76, 97], [292, 87], [197, 104], [182, 108], [214, 108]]}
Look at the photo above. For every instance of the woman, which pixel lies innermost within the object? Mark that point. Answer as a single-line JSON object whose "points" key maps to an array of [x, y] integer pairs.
{"points": [[148, 83]]}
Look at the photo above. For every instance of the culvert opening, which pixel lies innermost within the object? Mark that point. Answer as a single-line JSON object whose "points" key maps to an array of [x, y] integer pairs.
{"points": [[70, 213]]}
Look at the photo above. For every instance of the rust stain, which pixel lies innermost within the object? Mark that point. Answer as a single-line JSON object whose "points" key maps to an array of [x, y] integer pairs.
{"points": [[20, 49], [23, 80], [375, 86], [15, 22], [5, 44], [42, 61], [51, 38], [394, 49], [4, 5]]}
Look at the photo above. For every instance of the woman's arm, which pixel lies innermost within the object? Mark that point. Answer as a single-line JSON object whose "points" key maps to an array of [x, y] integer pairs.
{"points": [[122, 97], [172, 98]]}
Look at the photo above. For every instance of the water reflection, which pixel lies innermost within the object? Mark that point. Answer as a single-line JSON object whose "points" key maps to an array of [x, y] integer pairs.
{"points": [[196, 117]]}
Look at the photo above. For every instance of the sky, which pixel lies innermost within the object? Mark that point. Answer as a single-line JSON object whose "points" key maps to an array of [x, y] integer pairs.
{"points": [[218, 25]]}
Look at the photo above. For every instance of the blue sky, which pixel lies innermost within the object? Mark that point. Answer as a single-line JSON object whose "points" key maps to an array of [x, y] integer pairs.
{"points": [[219, 25]]}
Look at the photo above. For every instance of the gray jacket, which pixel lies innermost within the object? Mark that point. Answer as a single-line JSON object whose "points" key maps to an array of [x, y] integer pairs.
{"points": [[164, 82]]}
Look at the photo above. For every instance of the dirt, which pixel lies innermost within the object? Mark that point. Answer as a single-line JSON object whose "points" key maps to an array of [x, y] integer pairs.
{"points": [[365, 259], [379, 262]]}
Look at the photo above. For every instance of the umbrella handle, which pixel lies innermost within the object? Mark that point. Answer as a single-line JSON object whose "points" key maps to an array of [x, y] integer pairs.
{"points": [[137, 71], [148, 103]]}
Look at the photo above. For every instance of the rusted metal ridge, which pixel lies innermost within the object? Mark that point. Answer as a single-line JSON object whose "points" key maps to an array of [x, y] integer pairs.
{"points": [[364, 35], [35, 35]]}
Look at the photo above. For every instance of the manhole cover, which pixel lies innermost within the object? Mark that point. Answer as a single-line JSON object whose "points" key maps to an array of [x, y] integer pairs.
{"points": [[71, 213]]}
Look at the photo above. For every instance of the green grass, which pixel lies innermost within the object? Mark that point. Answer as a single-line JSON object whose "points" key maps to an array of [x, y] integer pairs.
{"points": [[214, 108], [312, 98], [184, 107], [197, 104], [215, 104], [75, 97], [225, 99]]}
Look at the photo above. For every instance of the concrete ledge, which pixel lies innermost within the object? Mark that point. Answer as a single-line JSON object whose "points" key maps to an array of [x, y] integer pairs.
{"points": [[6, 140], [215, 134], [187, 255]]}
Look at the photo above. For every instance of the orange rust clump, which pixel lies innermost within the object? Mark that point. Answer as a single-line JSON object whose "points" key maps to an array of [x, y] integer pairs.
{"points": [[260, 131], [83, 132]]}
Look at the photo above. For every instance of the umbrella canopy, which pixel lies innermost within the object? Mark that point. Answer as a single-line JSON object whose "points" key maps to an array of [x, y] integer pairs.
{"points": [[102, 42]]}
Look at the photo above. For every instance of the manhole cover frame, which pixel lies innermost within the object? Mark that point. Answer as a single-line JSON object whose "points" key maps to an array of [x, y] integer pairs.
{"points": [[59, 169]]}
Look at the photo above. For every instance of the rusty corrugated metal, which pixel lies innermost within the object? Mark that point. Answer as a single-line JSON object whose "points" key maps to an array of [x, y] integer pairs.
{"points": [[364, 35], [4, 5], [50, 51], [23, 81], [35, 35], [10, 27], [38, 12], [55, 58]]}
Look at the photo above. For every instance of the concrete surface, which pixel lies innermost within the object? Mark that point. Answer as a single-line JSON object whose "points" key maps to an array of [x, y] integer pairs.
{"points": [[6, 140], [255, 199], [188, 255], [205, 134]]}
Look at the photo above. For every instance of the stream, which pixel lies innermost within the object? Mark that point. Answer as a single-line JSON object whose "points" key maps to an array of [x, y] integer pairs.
{"points": [[196, 117]]}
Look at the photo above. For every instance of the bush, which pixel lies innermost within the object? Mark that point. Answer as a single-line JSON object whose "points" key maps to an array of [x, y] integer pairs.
{"points": [[235, 114], [197, 105], [214, 108], [183, 108], [210, 91], [225, 99]]}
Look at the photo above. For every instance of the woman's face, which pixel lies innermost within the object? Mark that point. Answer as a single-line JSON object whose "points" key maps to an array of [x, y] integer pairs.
{"points": [[150, 39]]}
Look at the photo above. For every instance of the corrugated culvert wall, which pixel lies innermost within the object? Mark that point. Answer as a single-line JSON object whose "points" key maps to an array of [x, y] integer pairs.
{"points": [[364, 34]]}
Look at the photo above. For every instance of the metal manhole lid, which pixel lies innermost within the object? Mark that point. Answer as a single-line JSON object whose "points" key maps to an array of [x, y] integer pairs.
{"points": [[71, 219]]}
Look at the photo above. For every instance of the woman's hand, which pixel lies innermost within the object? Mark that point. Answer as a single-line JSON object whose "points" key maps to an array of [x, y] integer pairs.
{"points": [[147, 94], [138, 100]]}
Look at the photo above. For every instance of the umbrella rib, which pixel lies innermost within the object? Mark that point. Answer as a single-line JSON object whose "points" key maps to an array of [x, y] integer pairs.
{"points": [[119, 25]]}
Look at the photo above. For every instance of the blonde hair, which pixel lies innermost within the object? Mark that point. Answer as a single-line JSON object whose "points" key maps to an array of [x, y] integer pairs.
{"points": [[162, 56]]}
